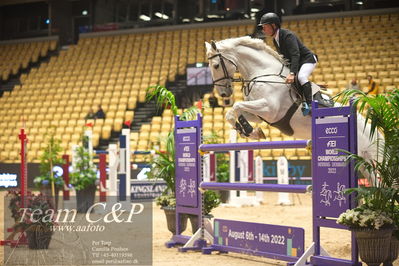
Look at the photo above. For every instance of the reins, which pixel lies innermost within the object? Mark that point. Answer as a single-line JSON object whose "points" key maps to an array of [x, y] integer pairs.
{"points": [[246, 86], [254, 81], [225, 72]]}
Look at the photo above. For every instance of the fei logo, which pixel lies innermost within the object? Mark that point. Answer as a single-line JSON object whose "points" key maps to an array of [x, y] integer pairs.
{"points": [[332, 143]]}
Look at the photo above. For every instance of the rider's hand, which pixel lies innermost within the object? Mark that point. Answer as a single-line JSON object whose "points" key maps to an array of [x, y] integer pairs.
{"points": [[290, 78]]}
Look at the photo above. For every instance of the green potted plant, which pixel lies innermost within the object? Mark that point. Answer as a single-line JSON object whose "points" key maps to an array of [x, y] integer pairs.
{"points": [[372, 222], [49, 182], [382, 111], [163, 164], [37, 221], [83, 179], [163, 168], [211, 201], [14, 205], [394, 245]]}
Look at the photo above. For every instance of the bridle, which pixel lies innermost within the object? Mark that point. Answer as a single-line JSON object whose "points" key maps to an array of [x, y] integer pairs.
{"points": [[225, 72], [246, 85]]}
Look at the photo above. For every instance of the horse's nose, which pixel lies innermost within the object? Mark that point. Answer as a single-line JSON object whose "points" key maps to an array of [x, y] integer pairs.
{"points": [[223, 95]]}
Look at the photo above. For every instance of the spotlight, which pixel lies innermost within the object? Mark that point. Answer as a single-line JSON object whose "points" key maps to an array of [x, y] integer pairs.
{"points": [[160, 15], [145, 18]]}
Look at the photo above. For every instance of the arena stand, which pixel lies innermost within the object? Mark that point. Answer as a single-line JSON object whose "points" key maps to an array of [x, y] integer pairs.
{"points": [[16, 56], [115, 68]]}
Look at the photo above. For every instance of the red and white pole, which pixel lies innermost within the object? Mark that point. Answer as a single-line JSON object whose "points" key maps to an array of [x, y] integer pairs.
{"points": [[23, 167], [65, 170], [103, 177], [251, 166]]}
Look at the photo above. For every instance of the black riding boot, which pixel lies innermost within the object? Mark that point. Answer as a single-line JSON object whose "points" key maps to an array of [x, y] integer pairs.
{"points": [[307, 95]]}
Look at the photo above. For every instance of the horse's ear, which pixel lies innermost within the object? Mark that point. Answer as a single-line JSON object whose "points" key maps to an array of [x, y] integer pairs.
{"points": [[208, 46], [214, 45]]}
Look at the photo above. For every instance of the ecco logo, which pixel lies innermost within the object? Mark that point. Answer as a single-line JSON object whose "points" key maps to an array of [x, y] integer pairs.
{"points": [[331, 130]]}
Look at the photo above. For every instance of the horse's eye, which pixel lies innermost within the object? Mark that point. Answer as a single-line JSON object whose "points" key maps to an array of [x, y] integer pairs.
{"points": [[216, 66]]}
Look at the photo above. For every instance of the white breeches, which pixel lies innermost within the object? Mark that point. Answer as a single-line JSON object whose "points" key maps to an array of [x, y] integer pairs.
{"points": [[305, 71]]}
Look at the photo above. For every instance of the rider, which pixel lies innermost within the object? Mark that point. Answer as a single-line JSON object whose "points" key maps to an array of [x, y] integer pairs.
{"points": [[302, 60]]}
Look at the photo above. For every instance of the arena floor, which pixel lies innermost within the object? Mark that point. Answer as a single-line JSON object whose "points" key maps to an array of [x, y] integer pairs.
{"points": [[336, 242]]}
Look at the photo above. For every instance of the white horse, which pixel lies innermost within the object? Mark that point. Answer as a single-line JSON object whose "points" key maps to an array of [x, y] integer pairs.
{"points": [[266, 95]]}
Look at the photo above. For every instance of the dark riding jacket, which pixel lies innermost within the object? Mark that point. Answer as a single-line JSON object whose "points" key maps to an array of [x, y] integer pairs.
{"points": [[293, 50]]}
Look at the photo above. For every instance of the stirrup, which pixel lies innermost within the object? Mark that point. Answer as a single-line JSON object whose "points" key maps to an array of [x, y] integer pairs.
{"points": [[305, 109]]}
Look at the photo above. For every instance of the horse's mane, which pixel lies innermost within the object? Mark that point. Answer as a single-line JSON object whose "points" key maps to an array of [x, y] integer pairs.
{"points": [[254, 43]]}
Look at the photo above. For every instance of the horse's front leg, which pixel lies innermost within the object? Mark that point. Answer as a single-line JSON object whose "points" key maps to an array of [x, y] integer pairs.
{"points": [[231, 118], [240, 123], [244, 112]]}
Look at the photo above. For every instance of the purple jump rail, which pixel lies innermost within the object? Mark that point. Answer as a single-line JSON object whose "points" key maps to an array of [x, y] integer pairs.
{"points": [[288, 144], [256, 187]]}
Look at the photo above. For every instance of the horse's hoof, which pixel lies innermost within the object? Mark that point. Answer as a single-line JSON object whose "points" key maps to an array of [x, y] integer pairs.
{"points": [[257, 134], [260, 133]]}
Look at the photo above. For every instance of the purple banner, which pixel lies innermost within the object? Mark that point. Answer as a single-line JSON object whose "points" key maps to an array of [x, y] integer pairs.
{"points": [[281, 240], [186, 167], [332, 175]]}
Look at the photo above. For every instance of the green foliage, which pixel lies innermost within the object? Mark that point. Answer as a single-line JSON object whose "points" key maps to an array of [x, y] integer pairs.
{"points": [[376, 198], [166, 201], [382, 110], [50, 157], [365, 218], [223, 168], [385, 167], [211, 201], [395, 218], [164, 97], [382, 113], [38, 209], [211, 198], [163, 165], [190, 113], [84, 172], [211, 138], [15, 202]]}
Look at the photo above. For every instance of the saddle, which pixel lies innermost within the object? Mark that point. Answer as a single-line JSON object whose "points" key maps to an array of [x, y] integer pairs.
{"points": [[284, 123]]}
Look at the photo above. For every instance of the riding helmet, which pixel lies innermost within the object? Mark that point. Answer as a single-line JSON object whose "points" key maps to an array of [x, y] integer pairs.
{"points": [[270, 18]]}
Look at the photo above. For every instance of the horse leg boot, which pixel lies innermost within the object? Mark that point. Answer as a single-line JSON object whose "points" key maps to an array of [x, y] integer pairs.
{"points": [[238, 127], [248, 130], [307, 94], [246, 126]]}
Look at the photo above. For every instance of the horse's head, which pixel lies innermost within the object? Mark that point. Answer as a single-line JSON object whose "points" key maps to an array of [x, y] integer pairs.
{"points": [[222, 69]]}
